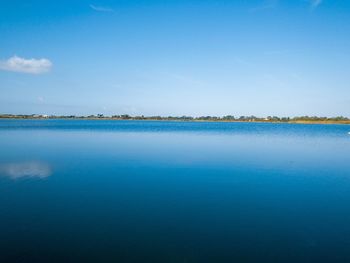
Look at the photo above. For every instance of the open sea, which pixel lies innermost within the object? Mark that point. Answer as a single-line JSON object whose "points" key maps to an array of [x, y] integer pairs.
{"points": [[148, 191]]}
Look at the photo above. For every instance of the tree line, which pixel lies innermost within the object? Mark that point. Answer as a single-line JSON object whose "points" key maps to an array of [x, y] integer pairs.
{"points": [[185, 118]]}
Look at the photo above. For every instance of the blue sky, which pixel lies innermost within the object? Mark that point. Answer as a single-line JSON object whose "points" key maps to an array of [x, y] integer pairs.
{"points": [[256, 57]]}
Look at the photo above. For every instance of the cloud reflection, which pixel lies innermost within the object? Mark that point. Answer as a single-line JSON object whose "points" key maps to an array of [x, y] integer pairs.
{"points": [[30, 169]]}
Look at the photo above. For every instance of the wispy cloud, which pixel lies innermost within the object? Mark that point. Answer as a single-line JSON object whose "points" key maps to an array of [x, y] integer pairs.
{"points": [[101, 8], [315, 3], [31, 66], [32, 169]]}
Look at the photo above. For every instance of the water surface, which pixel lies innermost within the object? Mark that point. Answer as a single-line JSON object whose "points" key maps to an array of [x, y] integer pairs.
{"points": [[144, 191]]}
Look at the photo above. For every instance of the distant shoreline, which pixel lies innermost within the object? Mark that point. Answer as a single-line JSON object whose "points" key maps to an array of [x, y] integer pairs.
{"points": [[179, 119]]}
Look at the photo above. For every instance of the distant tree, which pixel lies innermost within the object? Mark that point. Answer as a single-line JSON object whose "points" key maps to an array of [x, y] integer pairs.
{"points": [[228, 118], [125, 117]]}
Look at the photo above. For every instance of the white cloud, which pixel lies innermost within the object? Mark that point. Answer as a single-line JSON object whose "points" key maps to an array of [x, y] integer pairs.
{"points": [[32, 169], [315, 3], [101, 8], [31, 66]]}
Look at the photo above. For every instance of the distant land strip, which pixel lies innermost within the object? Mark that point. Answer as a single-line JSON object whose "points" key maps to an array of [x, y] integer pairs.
{"points": [[227, 118]]}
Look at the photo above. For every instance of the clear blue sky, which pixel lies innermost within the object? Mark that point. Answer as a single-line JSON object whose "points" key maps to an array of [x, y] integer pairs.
{"points": [[202, 57]]}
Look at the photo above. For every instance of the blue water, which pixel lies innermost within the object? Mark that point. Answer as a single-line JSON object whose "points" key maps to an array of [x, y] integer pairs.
{"points": [[143, 191]]}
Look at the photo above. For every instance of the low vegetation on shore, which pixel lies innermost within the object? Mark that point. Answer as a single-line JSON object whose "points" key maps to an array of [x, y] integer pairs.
{"points": [[227, 118]]}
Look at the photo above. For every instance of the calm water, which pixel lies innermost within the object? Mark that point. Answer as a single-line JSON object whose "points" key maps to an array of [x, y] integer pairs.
{"points": [[133, 191]]}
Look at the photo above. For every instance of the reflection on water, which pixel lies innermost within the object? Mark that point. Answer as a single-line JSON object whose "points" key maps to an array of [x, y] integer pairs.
{"points": [[34, 169]]}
